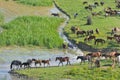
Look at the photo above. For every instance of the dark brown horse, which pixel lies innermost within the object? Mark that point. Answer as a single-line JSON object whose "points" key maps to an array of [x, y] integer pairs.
{"points": [[81, 32], [110, 38], [85, 2], [91, 37], [46, 62], [99, 41], [63, 59]]}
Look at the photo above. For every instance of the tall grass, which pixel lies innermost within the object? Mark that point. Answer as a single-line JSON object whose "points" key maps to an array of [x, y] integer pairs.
{"points": [[104, 25], [32, 30], [36, 2]]}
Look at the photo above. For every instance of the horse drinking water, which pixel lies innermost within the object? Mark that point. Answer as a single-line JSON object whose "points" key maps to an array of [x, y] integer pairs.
{"points": [[16, 63]]}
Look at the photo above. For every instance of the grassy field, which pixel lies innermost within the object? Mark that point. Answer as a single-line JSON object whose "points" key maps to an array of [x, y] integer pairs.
{"points": [[36, 2], [104, 25], [74, 72], [32, 30]]}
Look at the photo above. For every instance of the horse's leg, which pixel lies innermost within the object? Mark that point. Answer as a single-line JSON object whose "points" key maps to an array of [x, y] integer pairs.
{"points": [[69, 62], [62, 63], [44, 65], [59, 63]]}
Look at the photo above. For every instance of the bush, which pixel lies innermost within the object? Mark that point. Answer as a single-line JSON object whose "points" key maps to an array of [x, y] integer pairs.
{"points": [[89, 20]]}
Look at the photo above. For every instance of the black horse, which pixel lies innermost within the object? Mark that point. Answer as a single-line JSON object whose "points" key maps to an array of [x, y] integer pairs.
{"points": [[83, 58], [17, 63], [99, 41], [26, 64]]}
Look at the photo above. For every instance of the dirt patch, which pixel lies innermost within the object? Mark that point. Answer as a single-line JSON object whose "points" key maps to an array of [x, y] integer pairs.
{"points": [[11, 9]]}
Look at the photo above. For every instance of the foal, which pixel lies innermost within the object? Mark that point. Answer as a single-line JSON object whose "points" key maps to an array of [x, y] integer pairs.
{"points": [[46, 62]]}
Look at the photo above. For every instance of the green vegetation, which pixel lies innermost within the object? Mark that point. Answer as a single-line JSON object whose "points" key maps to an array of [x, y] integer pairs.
{"points": [[36, 2], [104, 24], [1, 19], [32, 30], [74, 72]]}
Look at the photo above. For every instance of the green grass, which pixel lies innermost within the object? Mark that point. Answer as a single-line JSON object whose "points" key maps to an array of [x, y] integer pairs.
{"points": [[32, 30], [74, 72], [1, 19], [36, 2], [104, 25]]}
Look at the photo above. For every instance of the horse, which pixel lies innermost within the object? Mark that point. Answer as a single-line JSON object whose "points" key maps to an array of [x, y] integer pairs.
{"points": [[63, 59], [91, 37], [81, 32], [75, 15], [97, 31], [99, 41], [25, 64], [106, 56], [46, 62], [95, 54], [64, 46], [55, 14], [96, 3], [110, 38], [85, 2], [83, 58], [17, 63], [37, 62], [90, 32], [102, 3]]}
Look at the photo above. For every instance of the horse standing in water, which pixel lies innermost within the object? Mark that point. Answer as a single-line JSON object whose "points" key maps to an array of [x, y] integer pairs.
{"points": [[63, 59], [16, 63], [27, 63], [46, 62], [37, 62]]}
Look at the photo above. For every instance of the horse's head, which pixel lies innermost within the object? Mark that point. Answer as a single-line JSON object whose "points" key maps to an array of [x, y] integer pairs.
{"points": [[33, 59]]}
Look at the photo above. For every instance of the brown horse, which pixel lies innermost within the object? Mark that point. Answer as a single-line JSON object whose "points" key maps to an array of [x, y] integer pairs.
{"points": [[46, 62], [112, 54], [37, 62], [63, 59], [95, 54]]}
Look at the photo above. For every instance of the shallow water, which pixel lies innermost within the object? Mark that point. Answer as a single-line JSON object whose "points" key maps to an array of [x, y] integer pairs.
{"points": [[7, 55]]}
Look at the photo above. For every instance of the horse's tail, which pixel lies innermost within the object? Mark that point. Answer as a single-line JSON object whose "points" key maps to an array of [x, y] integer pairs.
{"points": [[11, 65]]}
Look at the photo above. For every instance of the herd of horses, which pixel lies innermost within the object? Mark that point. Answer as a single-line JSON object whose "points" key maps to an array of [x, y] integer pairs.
{"points": [[92, 58], [19, 64], [90, 35]]}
